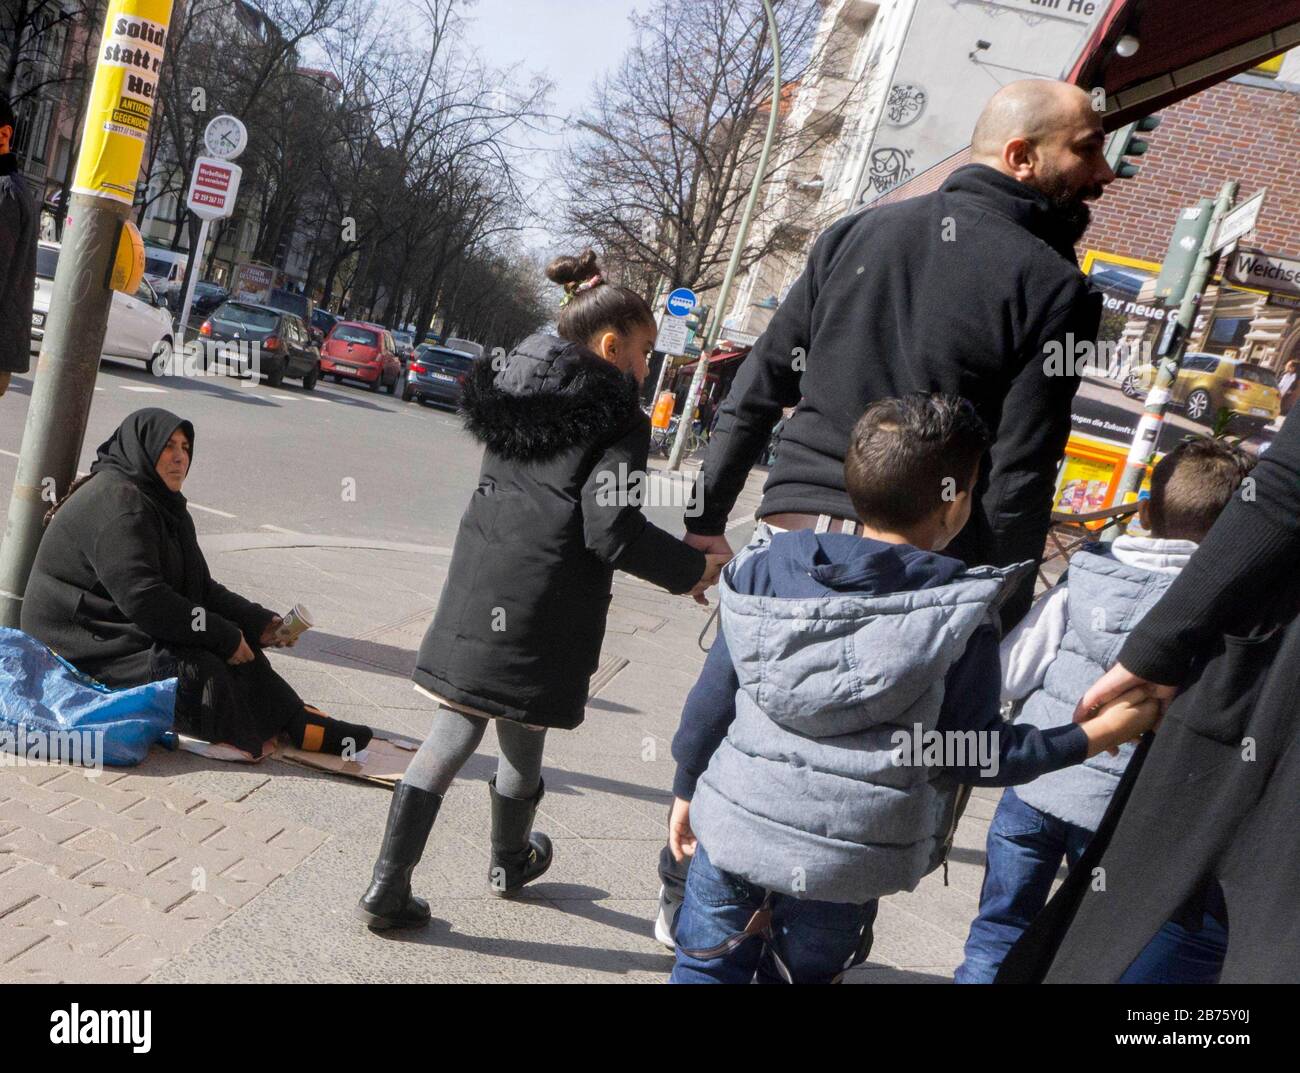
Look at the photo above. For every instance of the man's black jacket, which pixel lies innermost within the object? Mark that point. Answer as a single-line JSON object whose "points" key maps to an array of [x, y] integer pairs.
{"points": [[957, 291]]}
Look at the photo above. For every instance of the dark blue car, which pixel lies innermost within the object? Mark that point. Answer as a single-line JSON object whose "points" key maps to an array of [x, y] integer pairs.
{"points": [[437, 374]]}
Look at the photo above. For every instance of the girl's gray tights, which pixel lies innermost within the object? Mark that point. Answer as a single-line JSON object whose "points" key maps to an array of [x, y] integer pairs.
{"points": [[452, 740]]}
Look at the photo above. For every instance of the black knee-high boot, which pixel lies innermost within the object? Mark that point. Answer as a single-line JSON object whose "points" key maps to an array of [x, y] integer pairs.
{"points": [[519, 854], [389, 903]]}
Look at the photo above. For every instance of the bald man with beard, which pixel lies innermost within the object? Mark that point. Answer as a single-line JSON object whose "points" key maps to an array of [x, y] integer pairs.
{"points": [[965, 290]]}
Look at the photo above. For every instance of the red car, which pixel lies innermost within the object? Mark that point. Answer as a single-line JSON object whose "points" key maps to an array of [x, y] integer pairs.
{"points": [[355, 350]]}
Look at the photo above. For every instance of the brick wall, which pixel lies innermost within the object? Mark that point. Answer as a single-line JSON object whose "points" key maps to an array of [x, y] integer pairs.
{"points": [[1230, 131]]}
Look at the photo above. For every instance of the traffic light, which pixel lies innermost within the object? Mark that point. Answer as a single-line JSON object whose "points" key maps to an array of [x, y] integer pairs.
{"points": [[695, 322], [1125, 143]]}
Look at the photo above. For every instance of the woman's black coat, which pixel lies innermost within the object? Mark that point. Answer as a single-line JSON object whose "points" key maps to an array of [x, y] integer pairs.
{"points": [[119, 568], [519, 626]]}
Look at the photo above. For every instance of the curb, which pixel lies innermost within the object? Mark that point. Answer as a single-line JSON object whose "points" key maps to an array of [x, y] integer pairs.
{"points": [[221, 543]]}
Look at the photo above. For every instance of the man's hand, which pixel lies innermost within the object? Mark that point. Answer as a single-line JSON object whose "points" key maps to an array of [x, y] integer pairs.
{"points": [[4, 380], [681, 839], [269, 638], [713, 565], [1115, 682], [243, 654], [1125, 718], [710, 545]]}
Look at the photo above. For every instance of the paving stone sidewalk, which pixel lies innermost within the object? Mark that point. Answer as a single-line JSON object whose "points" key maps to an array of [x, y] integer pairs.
{"points": [[187, 869]]}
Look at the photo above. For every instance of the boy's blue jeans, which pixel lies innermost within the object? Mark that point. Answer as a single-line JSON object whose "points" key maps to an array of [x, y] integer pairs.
{"points": [[1024, 851], [814, 941]]}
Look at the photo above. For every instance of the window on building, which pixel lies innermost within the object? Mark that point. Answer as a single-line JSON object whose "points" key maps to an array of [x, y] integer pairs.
{"points": [[1227, 332], [32, 135]]}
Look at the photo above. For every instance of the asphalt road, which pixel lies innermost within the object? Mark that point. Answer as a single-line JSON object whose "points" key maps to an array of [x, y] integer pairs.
{"points": [[339, 461]]}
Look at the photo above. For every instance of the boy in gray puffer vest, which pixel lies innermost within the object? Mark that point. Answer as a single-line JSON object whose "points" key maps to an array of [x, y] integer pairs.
{"points": [[1065, 644], [851, 692]]}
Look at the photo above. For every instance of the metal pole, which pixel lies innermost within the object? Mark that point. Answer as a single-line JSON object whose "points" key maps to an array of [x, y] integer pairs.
{"points": [[196, 266], [63, 385], [659, 380], [1143, 448], [724, 294]]}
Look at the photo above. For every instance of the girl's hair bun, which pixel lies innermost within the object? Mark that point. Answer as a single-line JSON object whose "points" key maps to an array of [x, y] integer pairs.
{"points": [[568, 272]]}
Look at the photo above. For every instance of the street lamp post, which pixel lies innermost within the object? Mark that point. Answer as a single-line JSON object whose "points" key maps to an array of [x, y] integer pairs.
{"points": [[724, 293]]}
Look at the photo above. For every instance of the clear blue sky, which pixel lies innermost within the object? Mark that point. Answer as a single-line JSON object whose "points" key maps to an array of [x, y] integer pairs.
{"points": [[570, 42]]}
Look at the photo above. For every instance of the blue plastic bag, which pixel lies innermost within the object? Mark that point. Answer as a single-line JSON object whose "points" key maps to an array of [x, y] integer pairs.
{"points": [[49, 710]]}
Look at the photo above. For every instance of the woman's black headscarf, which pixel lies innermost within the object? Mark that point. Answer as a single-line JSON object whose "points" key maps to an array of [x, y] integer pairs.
{"points": [[133, 450]]}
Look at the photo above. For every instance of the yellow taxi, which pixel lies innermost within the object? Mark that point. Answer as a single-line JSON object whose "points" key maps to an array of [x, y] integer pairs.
{"points": [[1209, 383]]}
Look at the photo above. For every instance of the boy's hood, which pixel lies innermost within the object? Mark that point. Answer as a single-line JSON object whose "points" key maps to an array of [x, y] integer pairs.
{"points": [[546, 396], [1153, 553], [830, 633], [1111, 587]]}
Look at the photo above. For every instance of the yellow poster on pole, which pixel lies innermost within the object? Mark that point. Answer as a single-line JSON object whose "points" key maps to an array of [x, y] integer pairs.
{"points": [[122, 98]]}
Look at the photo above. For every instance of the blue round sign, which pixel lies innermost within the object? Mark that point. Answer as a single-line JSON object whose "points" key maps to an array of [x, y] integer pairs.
{"points": [[681, 302]]}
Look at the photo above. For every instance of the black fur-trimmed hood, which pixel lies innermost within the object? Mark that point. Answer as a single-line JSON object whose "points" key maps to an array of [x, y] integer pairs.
{"points": [[549, 395]]}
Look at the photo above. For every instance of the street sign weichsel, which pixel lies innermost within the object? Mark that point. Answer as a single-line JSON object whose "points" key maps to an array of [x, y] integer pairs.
{"points": [[1267, 271]]}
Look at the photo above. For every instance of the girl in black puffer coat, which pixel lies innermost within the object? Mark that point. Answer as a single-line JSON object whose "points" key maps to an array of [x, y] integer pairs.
{"points": [[521, 619]]}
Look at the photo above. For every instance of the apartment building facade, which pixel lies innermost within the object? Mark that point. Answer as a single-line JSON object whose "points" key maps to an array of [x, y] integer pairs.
{"points": [[902, 82]]}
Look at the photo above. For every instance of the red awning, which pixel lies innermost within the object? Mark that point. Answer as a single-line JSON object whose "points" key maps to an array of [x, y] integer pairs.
{"points": [[1183, 47], [718, 357]]}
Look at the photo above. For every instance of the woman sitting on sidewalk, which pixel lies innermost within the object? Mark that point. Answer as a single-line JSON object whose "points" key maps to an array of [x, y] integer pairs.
{"points": [[120, 589]]}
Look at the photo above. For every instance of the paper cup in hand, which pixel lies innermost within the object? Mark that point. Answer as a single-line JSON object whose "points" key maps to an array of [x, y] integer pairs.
{"points": [[296, 622]]}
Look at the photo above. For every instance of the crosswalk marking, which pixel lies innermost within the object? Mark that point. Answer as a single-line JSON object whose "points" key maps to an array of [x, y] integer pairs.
{"points": [[210, 510], [144, 390]]}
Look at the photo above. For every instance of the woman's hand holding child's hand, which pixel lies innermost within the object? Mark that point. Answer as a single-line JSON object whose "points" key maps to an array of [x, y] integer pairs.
{"points": [[1126, 718], [681, 839], [712, 569]]}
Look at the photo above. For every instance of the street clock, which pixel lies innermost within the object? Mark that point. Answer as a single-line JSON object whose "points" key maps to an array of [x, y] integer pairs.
{"points": [[225, 137]]}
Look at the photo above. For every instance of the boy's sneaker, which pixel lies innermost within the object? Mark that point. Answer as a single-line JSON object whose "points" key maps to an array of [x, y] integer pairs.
{"points": [[666, 920]]}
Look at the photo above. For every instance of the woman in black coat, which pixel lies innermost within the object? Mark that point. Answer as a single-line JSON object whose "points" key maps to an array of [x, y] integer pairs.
{"points": [[1213, 820], [121, 590], [521, 619]]}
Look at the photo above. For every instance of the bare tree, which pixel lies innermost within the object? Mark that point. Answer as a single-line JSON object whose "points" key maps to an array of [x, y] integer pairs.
{"points": [[675, 135], [33, 36]]}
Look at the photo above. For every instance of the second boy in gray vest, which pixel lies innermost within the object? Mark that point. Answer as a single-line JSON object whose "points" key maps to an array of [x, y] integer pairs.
{"points": [[1049, 661]]}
